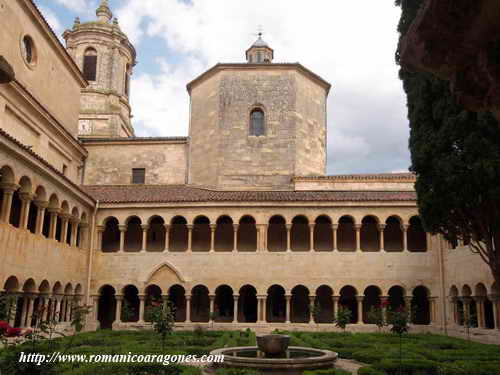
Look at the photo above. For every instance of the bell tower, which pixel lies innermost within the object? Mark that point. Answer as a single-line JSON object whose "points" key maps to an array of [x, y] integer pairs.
{"points": [[106, 58]]}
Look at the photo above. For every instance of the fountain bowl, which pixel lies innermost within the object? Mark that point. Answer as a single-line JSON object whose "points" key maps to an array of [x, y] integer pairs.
{"points": [[273, 344]]}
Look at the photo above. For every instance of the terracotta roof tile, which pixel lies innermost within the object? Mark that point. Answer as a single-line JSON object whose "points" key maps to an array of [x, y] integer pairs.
{"points": [[183, 193]]}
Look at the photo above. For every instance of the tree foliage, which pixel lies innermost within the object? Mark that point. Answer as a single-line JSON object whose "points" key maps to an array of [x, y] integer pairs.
{"points": [[455, 154]]}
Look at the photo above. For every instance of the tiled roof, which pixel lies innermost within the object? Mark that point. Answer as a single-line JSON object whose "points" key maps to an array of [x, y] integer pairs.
{"points": [[65, 179], [183, 193], [367, 176]]}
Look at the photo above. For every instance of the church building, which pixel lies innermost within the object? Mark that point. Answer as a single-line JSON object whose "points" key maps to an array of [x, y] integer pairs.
{"points": [[237, 224]]}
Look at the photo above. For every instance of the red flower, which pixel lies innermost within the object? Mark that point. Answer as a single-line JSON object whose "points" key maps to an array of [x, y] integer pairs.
{"points": [[384, 303], [13, 332], [4, 326], [156, 304]]}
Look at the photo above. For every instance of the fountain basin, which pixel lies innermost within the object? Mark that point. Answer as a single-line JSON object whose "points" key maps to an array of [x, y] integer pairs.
{"points": [[294, 361], [273, 344]]}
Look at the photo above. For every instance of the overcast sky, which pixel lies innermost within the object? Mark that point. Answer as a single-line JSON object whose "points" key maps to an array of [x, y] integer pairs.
{"points": [[351, 44]]}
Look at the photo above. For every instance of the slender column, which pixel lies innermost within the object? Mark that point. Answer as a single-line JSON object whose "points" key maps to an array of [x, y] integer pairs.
{"points": [[74, 231], [26, 199], [384, 300], [24, 311], [336, 300], [212, 306], [495, 301], [359, 299], [261, 309], [40, 215], [118, 312], [288, 298], [480, 310], [64, 227], [235, 237], [8, 193], [84, 230], [288, 237], [95, 307], [466, 301], [235, 309], [144, 236], [45, 314], [57, 312], [190, 238], [381, 228], [53, 222], [311, 236], [264, 230], [123, 229], [212, 237], [188, 308], [408, 300], [358, 236], [335, 227], [13, 311], [453, 309], [311, 309], [432, 308], [404, 228], [142, 299], [100, 231], [167, 237]]}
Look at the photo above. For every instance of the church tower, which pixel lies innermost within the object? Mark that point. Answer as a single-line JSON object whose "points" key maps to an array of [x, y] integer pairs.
{"points": [[256, 125], [106, 57]]}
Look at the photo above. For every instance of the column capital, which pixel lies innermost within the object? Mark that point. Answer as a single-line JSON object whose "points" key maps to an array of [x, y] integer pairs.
{"points": [[119, 297], [335, 226], [236, 226], [167, 226], [336, 298], [288, 226], [358, 226], [41, 204], [288, 296], [9, 187], [100, 228], [384, 298], [494, 297], [142, 297], [479, 298], [360, 298], [213, 227], [236, 296], [466, 300], [211, 297], [53, 210], [381, 227], [261, 296], [26, 197], [190, 226], [312, 225], [65, 216], [144, 227], [187, 296], [122, 227], [404, 227], [74, 220], [84, 225]]}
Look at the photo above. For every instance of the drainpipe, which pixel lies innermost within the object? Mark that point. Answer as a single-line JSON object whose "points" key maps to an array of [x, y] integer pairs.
{"points": [[91, 253]]}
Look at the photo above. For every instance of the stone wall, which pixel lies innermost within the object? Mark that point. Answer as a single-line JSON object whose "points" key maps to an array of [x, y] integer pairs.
{"points": [[111, 163], [295, 128]]}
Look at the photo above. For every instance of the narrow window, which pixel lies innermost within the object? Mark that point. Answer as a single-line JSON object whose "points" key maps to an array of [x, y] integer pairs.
{"points": [[127, 80], [64, 169], [138, 175], [28, 50], [257, 122], [90, 64]]}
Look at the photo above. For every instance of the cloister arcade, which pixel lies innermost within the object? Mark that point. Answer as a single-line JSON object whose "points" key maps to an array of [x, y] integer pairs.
{"points": [[475, 307], [227, 234], [32, 301], [226, 304], [31, 208]]}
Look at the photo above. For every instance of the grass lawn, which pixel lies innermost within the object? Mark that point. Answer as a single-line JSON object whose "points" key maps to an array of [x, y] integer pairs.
{"points": [[423, 354]]}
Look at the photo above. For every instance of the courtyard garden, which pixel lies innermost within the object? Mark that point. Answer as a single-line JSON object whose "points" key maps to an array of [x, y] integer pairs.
{"points": [[422, 354]]}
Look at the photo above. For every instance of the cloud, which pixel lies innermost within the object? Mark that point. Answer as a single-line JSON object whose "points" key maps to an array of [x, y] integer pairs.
{"points": [[351, 44], [81, 6], [53, 21]]}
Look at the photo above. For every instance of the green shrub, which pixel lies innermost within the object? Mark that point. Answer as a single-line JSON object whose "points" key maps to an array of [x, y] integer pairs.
{"points": [[231, 371], [409, 367], [327, 372], [370, 371]]}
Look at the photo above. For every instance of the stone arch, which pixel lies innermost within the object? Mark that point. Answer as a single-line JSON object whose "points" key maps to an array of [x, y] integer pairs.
{"points": [[346, 234], [417, 238], [111, 235], [276, 304], [324, 304], [153, 295], [133, 234], [7, 175], [106, 307], [57, 288], [420, 305], [201, 236], [200, 304], [371, 300], [299, 305], [396, 297], [277, 234], [300, 234], [466, 291], [224, 234], [130, 305], [247, 304], [29, 286], [347, 299], [247, 234], [11, 285], [393, 234], [156, 234], [453, 291], [68, 289], [177, 296], [323, 233], [78, 289], [178, 234], [480, 290], [165, 274], [370, 234], [224, 303]]}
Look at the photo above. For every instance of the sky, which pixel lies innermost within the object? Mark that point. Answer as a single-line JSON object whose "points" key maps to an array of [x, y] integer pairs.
{"points": [[351, 44]]}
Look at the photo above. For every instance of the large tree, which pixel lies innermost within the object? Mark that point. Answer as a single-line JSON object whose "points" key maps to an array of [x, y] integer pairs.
{"points": [[455, 154]]}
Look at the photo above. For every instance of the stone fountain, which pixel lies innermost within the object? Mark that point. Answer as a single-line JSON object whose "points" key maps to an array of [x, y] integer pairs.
{"points": [[273, 355]]}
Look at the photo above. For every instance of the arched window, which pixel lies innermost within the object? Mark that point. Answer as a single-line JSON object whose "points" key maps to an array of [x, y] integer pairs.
{"points": [[90, 64], [257, 122]]}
